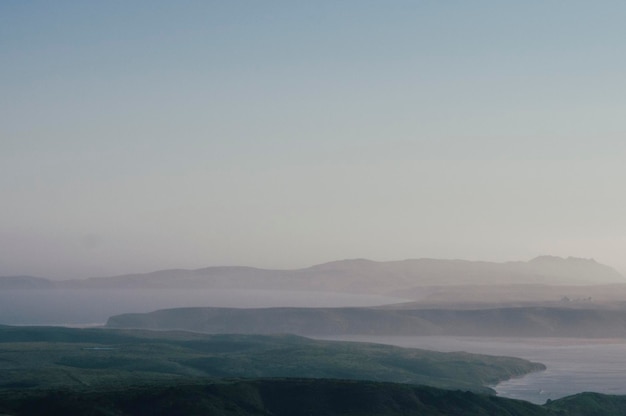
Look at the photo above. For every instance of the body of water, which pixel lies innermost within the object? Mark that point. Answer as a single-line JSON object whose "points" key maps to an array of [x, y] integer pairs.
{"points": [[89, 306], [573, 365]]}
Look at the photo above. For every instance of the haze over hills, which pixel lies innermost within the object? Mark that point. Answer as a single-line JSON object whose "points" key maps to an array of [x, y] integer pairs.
{"points": [[353, 276], [546, 296], [448, 284], [491, 322], [25, 282]]}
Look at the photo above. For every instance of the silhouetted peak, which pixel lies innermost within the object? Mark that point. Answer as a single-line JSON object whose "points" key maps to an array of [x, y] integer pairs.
{"points": [[557, 259]]}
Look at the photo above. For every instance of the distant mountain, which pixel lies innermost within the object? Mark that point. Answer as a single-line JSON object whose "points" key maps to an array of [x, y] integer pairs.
{"points": [[366, 276], [574, 270], [25, 282], [493, 322], [354, 276]]}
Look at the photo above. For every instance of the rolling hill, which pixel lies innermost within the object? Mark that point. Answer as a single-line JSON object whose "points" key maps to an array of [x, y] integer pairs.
{"points": [[54, 357], [508, 321], [287, 397]]}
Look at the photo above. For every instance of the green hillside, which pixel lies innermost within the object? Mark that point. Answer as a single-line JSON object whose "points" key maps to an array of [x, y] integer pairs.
{"points": [[288, 397], [44, 357]]}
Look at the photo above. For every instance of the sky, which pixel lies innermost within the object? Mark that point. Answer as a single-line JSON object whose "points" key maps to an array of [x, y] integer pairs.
{"points": [[144, 135]]}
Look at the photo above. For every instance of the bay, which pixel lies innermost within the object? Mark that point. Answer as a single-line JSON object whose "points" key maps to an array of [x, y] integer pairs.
{"points": [[573, 365], [95, 306]]}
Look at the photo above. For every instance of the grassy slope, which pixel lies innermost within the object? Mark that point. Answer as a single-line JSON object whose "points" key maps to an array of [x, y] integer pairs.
{"points": [[44, 357], [590, 404], [282, 397], [133, 373]]}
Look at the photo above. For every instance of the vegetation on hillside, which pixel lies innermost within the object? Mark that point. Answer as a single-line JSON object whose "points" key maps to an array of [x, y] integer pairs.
{"points": [[287, 397], [44, 357]]}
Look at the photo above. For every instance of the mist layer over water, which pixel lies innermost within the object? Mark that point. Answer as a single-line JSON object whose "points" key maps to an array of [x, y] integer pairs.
{"points": [[573, 365], [86, 306]]}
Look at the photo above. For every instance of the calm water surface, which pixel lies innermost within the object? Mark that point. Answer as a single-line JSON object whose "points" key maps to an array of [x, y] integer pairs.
{"points": [[574, 365], [87, 306]]}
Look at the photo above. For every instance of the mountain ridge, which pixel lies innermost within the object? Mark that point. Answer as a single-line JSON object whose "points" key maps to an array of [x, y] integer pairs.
{"points": [[352, 276]]}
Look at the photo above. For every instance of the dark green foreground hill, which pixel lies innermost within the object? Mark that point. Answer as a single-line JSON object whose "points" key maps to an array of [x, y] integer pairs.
{"points": [[105, 372], [52, 357], [289, 397]]}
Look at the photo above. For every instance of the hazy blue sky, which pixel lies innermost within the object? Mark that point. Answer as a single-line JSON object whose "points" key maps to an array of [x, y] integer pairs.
{"points": [[141, 135]]}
